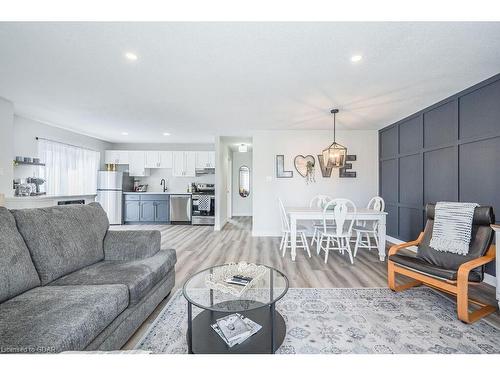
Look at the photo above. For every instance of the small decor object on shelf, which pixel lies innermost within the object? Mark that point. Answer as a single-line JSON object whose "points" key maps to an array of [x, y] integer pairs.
{"points": [[280, 168], [235, 278], [235, 329]]}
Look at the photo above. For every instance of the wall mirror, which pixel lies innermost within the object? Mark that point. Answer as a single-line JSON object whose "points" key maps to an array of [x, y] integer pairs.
{"points": [[244, 181]]}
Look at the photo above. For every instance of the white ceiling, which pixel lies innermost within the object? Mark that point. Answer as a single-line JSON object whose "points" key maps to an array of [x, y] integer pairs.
{"points": [[199, 80]]}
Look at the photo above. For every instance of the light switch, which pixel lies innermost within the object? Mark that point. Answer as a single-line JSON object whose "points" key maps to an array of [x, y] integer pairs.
{"points": [[269, 178], [1, 172]]}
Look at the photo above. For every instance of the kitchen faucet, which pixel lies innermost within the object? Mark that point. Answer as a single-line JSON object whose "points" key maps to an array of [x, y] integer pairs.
{"points": [[164, 184]]}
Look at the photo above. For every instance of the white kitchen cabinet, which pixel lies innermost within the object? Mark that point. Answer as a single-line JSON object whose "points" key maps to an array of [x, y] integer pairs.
{"points": [[184, 163], [190, 166], [201, 159], [211, 159], [137, 164], [205, 159], [165, 159], [116, 157], [152, 159], [158, 159], [178, 164]]}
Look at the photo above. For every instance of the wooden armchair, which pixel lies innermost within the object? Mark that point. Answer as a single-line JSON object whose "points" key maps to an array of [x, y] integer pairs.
{"points": [[447, 272]]}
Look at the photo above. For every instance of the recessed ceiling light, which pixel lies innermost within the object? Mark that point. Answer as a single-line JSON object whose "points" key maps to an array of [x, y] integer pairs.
{"points": [[356, 58], [242, 148], [166, 134], [124, 133], [131, 56]]}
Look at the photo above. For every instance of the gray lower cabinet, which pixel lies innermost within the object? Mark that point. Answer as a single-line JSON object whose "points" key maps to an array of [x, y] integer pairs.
{"points": [[161, 211], [132, 211], [148, 211], [146, 208]]}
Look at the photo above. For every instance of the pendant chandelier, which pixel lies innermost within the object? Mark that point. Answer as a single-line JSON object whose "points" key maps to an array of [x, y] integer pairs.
{"points": [[335, 155]]}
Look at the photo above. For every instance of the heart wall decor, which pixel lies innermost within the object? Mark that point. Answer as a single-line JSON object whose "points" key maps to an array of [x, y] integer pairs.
{"points": [[305, 166]]}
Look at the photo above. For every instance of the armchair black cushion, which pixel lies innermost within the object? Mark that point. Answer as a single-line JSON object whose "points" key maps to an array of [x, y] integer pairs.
{"points": [[445, 265]]}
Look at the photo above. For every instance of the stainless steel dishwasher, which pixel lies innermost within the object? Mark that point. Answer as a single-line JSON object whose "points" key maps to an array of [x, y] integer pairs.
{"points": [[180, 209]]}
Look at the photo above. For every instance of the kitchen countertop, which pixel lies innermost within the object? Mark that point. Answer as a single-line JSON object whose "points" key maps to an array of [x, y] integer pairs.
{"points": [[44, 197], [157, 192]]}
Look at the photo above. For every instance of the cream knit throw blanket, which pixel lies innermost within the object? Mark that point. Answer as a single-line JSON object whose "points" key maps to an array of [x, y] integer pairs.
{"points": [[452, 227]]}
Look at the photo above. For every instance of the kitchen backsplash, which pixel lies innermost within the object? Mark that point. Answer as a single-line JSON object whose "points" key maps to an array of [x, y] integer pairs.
{"points": [[176, 184]]}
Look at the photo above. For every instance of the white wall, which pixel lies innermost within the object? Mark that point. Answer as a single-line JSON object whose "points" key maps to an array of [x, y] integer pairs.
{"points": [[295, 192], [223, 155], [6, 146], [241, 206]]}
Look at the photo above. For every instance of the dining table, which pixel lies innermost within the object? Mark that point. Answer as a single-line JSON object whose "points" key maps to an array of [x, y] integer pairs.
{"points": [[296, 214]]}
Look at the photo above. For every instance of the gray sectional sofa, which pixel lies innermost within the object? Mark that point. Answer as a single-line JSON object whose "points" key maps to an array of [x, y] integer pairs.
{"points": [[68, 283]]}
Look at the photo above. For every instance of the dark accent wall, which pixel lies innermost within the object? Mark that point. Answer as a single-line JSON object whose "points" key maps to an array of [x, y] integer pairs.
{"points": [[449, 151]]}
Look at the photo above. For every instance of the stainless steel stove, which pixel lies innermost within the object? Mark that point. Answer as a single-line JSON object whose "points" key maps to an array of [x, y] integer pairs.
{"points": [[203, 204]]}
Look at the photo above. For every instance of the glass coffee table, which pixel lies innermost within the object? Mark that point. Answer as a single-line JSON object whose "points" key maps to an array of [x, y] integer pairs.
{"points": [[258, 303]]}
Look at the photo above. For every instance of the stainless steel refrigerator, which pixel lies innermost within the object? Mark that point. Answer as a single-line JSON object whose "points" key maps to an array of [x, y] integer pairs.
{"points": [[110, 188]]}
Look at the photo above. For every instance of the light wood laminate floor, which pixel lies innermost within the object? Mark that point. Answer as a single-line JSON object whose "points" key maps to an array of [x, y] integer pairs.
{"points": [[200, 247]]}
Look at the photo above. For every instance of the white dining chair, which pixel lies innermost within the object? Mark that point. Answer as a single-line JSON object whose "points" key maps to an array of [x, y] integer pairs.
{"points": [[286, 239], [319, 201], [368, 228], [338, 237]]}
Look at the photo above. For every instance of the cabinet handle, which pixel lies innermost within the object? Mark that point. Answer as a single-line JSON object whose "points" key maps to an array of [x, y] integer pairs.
{"points": [[141, 209], [156, 210]]}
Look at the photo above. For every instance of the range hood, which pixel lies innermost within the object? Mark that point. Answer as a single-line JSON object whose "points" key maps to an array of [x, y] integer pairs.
{"points": [[204, 171]]}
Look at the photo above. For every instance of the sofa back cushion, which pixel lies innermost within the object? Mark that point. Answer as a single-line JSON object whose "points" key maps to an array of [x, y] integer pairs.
{"points": [[17, 271], [63, 239]]}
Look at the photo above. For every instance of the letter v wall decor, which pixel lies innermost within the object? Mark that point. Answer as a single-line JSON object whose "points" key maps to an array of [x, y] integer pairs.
{"points": [[326, 171]]}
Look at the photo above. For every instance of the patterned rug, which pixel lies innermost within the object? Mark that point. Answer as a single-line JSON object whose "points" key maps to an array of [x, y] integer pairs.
{"points": [[340, 321]]}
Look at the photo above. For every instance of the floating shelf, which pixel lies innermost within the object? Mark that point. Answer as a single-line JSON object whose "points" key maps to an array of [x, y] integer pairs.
{"points": [[16, 163]]}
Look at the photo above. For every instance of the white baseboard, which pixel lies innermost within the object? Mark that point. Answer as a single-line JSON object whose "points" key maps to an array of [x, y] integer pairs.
{"points": [[488, 279], [265, 234]]}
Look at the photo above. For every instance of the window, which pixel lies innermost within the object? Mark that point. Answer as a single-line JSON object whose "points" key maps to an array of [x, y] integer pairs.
{"points": [[69, 170]]}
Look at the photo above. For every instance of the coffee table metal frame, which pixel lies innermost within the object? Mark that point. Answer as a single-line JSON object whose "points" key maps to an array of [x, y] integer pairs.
{"points": [[271, 304]]}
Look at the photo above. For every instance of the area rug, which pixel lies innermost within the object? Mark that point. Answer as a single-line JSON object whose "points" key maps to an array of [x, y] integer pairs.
{"points": [[371, 320]]}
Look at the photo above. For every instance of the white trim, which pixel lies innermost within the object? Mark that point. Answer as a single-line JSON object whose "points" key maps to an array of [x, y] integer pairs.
{"points": [[491, 280], [488, 279], [265, 234]]}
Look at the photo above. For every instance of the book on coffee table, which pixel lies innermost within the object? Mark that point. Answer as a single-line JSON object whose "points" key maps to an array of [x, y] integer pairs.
{"points": [[235, 328]]}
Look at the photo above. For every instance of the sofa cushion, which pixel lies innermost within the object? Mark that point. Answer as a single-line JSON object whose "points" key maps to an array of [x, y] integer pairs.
{"points": [[140, 276], [131, 244], [63, 239], [481, 238], [419, 265], [17, 271], [59, 318]]}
